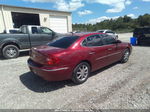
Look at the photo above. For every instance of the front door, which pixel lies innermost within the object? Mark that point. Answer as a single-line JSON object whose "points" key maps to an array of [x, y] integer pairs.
{"points": [[46, 35], [40, 36], [113, 53], [35, 37], [97, 53]]}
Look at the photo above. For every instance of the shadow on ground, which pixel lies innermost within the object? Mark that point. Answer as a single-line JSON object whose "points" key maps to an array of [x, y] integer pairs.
{"points": [[24, 53], [37, 84]]}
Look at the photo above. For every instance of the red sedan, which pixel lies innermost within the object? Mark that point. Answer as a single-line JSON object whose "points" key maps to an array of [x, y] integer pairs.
{"points": [[75, 57]]}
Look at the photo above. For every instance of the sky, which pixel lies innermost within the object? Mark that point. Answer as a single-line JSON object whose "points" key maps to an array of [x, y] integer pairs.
{"points": [[89, 11]]}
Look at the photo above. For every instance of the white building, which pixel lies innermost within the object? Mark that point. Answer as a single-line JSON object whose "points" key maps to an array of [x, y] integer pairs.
{"points": [[13, 17]]}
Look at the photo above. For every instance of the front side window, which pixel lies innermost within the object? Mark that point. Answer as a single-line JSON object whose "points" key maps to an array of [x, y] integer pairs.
{"points": [[107, 39], [45, 30]]}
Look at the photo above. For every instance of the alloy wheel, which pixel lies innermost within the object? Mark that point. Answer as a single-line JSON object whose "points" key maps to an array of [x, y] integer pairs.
{"points": [[82, 73]]}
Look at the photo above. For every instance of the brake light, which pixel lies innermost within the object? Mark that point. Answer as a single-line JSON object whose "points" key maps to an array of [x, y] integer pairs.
{"points": [[52, 60]]}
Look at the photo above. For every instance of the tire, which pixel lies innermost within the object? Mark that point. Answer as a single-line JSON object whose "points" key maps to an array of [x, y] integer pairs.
{"points": [[10, 51], [116, 37], [138, 42], [81, 73], [125, 56]]}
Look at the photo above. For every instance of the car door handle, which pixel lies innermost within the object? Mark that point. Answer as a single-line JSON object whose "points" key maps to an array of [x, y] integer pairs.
{"points": [[109, 49], [91, 52]]}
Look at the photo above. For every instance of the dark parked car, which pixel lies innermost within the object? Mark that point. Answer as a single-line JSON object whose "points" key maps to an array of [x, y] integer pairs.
{"points": [[76, 56], [142, 35], [28, 36]]}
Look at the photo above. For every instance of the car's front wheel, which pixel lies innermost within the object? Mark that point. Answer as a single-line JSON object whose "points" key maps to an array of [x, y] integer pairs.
{"points": [[81, 73], [125, 56]]}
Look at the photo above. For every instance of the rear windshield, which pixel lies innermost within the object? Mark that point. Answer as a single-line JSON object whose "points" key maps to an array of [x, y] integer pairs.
{"points": [[64, 42]]}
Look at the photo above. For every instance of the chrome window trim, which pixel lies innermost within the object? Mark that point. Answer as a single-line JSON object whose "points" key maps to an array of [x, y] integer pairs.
{"points": [[81, 43]]}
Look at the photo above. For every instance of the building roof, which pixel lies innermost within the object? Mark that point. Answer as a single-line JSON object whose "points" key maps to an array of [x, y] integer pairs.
{"points": [[2, 5]]}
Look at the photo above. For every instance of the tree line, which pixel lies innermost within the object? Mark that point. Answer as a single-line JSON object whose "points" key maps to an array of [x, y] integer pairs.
{"points": [[121, 24]]}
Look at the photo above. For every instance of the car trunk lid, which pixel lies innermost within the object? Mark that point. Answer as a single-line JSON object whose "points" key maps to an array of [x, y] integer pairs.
{"points": [[45, 54]]}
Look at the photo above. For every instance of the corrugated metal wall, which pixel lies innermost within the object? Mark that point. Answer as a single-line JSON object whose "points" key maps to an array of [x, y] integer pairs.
{"points": [[5, 19], [8, 19], [1, 21]]}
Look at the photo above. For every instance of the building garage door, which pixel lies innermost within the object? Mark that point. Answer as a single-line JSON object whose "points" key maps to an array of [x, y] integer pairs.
{"points": [[59, 24]]}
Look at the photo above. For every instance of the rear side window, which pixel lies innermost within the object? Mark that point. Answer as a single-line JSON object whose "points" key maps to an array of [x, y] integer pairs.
{"points": [[64, 42], [34, 30], [13, 31]]}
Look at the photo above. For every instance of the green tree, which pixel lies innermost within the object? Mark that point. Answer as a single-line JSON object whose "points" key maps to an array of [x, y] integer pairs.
{"points": [[121, 24]]}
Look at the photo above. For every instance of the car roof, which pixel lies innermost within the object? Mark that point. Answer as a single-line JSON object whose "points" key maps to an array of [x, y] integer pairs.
{"points": [[86, 34]]}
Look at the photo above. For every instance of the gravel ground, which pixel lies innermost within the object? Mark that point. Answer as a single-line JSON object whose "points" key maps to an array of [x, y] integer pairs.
{"points": [[119, 86]]}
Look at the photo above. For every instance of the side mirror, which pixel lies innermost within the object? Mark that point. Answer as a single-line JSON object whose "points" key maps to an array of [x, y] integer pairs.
{"points": [[53, 33], [117, 41]]}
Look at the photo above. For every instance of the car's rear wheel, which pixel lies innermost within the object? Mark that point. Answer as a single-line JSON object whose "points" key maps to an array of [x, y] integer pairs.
{"points": [[81, 73], [10, 51], [126, 55]]}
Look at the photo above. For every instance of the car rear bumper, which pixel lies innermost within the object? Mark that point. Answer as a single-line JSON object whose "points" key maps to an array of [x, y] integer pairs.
{"points": [[50, 73]]}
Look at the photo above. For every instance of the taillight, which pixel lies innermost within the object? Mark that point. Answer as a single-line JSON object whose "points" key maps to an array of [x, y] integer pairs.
{"points": [[52, 60]]}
